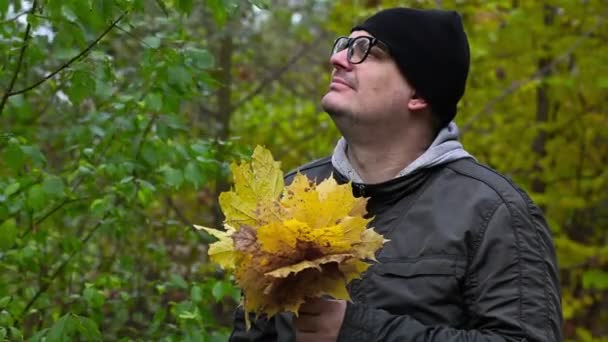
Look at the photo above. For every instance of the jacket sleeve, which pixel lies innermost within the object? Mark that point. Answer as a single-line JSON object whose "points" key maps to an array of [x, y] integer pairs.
{"points": [[511, 290], [262, 329]]}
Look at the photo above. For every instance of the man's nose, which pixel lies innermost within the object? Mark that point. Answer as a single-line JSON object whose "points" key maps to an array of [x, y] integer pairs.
{"points": [[340, 60]]}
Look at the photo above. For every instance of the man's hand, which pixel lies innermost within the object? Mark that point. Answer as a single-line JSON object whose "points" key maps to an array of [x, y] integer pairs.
{"points": [[319, 320]]}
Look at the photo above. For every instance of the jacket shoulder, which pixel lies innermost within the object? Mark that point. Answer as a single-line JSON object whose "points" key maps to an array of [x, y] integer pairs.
{"points": [[499, 184], [317, 170]]}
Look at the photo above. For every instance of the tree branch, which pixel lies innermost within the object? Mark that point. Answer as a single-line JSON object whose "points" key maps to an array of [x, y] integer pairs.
{"points": [[60, 269], [277, 73], [26, 39], [178, 212], [17, 16], [71, 61], [489, 106], [144, 134]]}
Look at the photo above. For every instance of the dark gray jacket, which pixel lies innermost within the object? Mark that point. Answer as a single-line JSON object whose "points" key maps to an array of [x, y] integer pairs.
{"points": [[470, 258]]}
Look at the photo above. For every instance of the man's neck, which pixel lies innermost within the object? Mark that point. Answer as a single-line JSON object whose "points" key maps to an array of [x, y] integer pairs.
{"points": [[383, 158]]}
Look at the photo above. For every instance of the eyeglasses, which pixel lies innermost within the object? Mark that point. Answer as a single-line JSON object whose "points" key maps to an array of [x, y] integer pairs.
{"points": [[358, 47]]}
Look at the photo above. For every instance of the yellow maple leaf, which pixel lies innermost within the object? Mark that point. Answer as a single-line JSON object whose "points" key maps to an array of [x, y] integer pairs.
{"points": [[291, 242], [256, 186], [221, 252]]}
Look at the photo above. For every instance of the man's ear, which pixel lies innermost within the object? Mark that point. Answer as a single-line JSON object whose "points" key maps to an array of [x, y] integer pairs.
{"points": [[416, 103]]}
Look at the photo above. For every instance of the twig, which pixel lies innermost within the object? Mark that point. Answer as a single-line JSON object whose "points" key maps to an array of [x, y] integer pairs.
{"points": [[59, 269], [74, 59], [26, 39], [178, 212], [137, 39], [75, 186], [276, 74], [43, 218], [17, 16], [59, 206], [144, 134], [538, 74]]}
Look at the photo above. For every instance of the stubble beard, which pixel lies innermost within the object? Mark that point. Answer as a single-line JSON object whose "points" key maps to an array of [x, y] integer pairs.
{"points": [[344, 118]]}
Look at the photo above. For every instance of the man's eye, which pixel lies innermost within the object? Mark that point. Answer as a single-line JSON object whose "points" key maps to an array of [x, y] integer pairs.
{"points": [[376, 52], [359, 49]]}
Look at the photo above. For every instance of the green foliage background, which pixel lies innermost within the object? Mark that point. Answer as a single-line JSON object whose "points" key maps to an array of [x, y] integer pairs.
{"points": [[119, 119]]}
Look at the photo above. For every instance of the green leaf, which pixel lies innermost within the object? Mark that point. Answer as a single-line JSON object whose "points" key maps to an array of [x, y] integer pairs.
{"points": [[4, 301], [151, 42], [104, 8], [61, 330], [82, 85], [595, 279], [88, 329], [173, 177], [150, 153], [103, 89], [222, 289], [261, 4], [71, 326], [185, 6], [35, 154], [138, 5], [154, 101], [53, 185], [176, 280], [3, 7], [199, 58], [69, 14], [11, 189], [193, 174], [6, 319], [219, 9], [99, 207], [70, 244], [8, 235], [159, 317], [14, 157], [178, 76], [196, 294], [4, 212], [94, 297], [36, 198], [39, 336], [16, 334]]}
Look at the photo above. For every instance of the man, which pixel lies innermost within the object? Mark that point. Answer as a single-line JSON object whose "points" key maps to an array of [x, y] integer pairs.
{"points": [[470, 257]]}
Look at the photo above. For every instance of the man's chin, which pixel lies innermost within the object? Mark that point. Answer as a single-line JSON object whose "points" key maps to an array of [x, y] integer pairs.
{"points": [[331, 105]]}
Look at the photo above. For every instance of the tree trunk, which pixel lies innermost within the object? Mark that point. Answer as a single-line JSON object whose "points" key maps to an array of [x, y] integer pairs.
{"points": [[542, 111], [224, 100]]}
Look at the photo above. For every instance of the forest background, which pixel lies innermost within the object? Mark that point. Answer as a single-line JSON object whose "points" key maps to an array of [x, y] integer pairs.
{"points": [[119, 120]]}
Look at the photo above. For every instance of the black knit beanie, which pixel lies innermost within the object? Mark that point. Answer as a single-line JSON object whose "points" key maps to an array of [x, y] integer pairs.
{"points": [[431, 50]]}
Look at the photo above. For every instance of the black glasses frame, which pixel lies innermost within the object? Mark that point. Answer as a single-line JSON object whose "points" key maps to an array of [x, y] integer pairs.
{"points": [[351, 43]]}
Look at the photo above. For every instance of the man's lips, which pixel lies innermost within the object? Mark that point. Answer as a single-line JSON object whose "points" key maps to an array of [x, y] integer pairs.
{"points": [[340, 80]]}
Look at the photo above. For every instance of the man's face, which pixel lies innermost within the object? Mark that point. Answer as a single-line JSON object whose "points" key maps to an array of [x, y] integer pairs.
{"points": [[371, 92]]}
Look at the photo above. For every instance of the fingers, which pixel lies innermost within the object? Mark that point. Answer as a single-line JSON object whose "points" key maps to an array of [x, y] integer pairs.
{"points": [[313, 306], [307, 323], [303, 336], [320, 317]]}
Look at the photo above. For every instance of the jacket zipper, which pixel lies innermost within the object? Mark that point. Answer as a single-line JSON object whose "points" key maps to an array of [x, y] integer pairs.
{"points": [[360, 189]]}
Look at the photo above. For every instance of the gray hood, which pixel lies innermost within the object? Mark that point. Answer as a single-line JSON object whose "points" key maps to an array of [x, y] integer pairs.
{"points": [[444, 149]]}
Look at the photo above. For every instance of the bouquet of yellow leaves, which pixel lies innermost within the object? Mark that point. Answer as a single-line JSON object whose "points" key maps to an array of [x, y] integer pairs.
{"points": [[287, 243]]}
